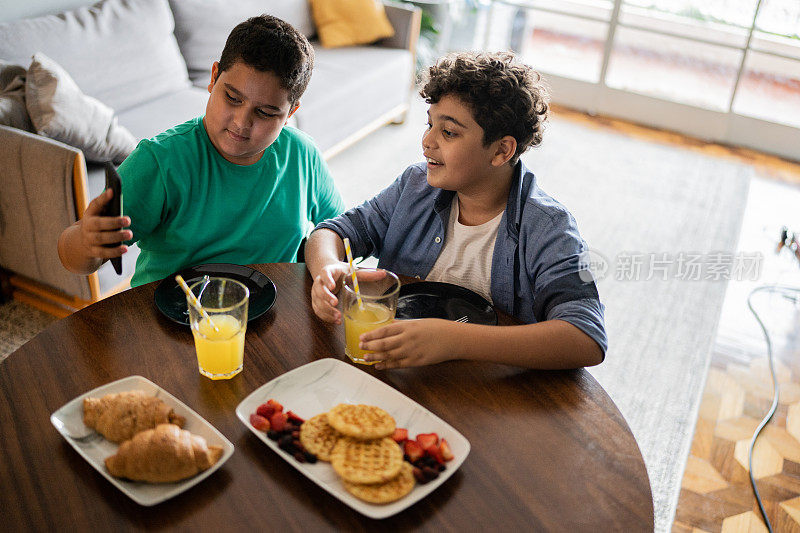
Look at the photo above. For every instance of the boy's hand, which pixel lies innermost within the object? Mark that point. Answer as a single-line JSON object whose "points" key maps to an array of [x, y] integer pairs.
{"points": [[326, 287], [409, 343], [323, 292], [97, 230]]}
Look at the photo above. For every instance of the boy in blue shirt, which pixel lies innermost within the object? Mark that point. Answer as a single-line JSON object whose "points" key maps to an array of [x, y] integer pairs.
{"points": [[234, 186], [473, 215]]}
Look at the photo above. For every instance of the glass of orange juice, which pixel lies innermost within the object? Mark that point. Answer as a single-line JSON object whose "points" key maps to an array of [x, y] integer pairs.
{"points": [[219, 342], [379, 290]]}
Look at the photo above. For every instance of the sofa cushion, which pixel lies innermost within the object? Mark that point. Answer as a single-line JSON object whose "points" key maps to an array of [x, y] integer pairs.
{"points": [[160, 114], [59, 110], [122, 52], [202, 26], [350, 88], [12, 97], [350, 22]]}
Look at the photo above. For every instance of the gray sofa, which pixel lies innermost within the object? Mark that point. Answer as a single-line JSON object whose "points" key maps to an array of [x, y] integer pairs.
{"points": [[149, 61]]}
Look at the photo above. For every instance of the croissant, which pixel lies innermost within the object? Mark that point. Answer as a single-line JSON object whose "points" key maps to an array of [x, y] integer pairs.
{"points": [[163, 455], [119, 417]]}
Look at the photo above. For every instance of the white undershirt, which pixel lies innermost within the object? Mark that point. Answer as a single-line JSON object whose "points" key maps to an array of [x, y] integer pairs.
{"points": [[466, 258]]}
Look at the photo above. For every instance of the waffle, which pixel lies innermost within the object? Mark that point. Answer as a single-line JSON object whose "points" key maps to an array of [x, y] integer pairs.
{"points": [[318, 437], [361, 422], [366, 461], [387, 492]]}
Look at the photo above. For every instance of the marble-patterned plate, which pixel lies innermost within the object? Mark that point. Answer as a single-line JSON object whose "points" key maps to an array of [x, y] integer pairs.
{"points": [[317, 387], [68, 420]]}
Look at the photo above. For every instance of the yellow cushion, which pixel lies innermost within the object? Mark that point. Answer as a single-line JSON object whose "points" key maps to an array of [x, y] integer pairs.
{"points": [[350, 22]]}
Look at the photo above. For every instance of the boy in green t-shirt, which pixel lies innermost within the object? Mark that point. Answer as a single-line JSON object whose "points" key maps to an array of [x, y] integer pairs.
{"points": [[234, 186]]}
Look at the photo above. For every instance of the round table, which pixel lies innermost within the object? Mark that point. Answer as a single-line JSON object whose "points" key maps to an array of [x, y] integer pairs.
{"points": [[550, 450]]}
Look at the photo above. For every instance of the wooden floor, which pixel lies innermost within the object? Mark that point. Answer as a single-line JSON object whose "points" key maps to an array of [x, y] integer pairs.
{"points": [[716, 494]]}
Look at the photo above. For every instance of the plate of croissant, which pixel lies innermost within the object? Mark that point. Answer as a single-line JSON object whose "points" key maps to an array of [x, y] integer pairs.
{"points": [[146, 442]]}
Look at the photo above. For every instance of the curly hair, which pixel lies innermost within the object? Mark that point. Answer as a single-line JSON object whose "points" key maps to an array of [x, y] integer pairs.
{"points": [[268, 44], [506, 96]]}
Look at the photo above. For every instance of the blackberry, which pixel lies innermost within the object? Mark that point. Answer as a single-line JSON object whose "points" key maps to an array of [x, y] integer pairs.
{"points": [[285, 442], [310, 457], [430, 473]]}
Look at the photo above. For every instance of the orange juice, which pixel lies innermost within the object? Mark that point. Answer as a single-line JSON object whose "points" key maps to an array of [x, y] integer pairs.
{"points": [[358, 321], [219, 353]]}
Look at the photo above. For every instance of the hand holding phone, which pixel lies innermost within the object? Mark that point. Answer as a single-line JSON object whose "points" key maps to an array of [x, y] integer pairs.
{"points": [[114, 208]]}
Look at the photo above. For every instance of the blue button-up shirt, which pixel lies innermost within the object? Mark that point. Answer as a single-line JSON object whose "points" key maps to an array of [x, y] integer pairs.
{"points": [[536, 271]]}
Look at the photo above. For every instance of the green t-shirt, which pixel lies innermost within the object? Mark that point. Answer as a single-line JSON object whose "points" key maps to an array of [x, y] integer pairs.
{"points": [[189, 205]]}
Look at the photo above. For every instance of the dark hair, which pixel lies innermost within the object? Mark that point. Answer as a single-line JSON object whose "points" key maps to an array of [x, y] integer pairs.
{"points": [[506, 96], [269, 44]]}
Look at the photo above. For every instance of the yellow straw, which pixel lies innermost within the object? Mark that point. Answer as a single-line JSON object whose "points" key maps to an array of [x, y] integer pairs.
{"points": [[349, 253], [194, 300]]}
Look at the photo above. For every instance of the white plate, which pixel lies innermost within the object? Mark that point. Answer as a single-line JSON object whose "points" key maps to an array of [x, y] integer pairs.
{"points": [[317, 387], [69, 422]]}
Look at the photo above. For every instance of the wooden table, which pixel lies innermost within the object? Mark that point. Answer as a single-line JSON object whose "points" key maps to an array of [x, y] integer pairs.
{"points": [[550, 450]]}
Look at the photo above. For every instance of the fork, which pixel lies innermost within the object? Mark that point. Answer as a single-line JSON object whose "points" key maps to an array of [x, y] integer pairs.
{"points": [[463, 319], [88, 438]]}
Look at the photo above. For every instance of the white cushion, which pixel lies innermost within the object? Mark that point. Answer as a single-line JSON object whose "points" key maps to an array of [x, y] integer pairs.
{"points": [[160, 114], [350, 88], [59, 110], [122, 52], [203, 26]]}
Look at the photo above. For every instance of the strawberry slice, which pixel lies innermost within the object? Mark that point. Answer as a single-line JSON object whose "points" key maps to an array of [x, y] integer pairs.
{"points": [[436, 453], [428, 442], [278, 421], [294, 418], [278, 407], [259, 422], [413, 450], [444, 451], [400, 435], [266, 410]]}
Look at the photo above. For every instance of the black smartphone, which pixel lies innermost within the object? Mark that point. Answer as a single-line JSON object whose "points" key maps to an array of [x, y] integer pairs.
{"points": [[114, 208]]}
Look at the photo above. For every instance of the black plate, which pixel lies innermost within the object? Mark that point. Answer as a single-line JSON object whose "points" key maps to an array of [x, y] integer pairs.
{"points": [[432, 299], [171, 300]]}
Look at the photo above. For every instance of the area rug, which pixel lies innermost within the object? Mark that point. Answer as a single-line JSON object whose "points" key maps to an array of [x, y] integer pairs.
{"points": [[19, 323], [662, 208]]}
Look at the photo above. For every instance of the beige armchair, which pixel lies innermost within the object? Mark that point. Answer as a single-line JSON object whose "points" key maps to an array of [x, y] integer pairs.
{"points": [[44, 190]]}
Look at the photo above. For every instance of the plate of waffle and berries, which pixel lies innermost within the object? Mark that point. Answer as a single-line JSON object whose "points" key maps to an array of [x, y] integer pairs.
{"points": [[365, 443]]}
